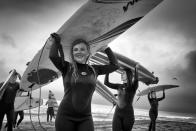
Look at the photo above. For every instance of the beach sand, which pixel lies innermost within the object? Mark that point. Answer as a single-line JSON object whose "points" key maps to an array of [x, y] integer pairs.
{"points": [[140, 125]]}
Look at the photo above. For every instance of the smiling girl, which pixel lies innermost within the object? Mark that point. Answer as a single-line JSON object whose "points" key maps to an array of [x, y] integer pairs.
{"points": [[79, 79]]}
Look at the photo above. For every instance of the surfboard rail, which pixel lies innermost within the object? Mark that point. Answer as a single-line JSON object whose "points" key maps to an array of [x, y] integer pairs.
{"points": [[145, 76], [105, 92], [156, 89]]}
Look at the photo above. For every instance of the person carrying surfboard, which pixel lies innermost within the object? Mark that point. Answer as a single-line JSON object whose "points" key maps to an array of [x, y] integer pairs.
{"points": [[153, 112], [79, 79], [123, 118], [7, 101]]}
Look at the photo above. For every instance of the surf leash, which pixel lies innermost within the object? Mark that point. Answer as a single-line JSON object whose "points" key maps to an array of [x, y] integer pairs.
{"points": [[39, 83], [30, 97]]}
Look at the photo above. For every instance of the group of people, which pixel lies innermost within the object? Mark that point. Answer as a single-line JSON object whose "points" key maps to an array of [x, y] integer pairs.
{"points": [[79, 80]]}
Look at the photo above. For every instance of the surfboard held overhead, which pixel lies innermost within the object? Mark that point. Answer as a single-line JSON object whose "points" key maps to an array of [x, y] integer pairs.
{"points": [[98, 22], [156, 89]]}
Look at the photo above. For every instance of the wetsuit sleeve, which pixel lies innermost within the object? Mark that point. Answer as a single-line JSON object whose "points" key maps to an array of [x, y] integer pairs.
{"points": [[1, 84], [56, 59], [134, 86], [136, 81], [110, 85], [149, 99], [159, 99], [113, 64]]}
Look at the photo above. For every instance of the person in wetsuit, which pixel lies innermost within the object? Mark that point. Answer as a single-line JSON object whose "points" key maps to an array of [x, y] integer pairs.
{"points": [[79, 79], [153, 113], [7, 102], [123, 118]]}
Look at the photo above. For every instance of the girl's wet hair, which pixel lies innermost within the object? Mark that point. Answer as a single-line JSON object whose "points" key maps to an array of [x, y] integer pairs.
{"points": [[129, 74], [78, 41]]}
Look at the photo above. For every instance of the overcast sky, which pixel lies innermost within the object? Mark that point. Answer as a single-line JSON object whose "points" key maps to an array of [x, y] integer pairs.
{"points": [[163, 41]]}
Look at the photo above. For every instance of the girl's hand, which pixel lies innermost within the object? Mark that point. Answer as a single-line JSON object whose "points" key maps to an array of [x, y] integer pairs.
{"points": [[56, 38]]}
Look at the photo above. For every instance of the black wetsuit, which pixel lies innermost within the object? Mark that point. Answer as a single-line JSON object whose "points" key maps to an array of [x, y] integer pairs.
{"points": [[153, 113], [7, 104], [123, 118], [74, 113], [21, 114]]}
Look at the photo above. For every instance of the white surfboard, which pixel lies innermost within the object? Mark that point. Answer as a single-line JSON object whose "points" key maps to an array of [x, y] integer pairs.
{"points": [[145, 76], [98, 22], [4, 86], [156, 89], [55, 103], [105, 92], [25, 103]]}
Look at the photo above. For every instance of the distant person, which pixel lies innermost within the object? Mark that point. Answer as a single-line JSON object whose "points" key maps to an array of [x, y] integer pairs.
{"points": [[7, 101], [50, 109], [79, 79], [123, 118], [153, 113]]}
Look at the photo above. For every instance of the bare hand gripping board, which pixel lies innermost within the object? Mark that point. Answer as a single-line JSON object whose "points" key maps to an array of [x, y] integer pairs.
{"points": [[98, 22]]}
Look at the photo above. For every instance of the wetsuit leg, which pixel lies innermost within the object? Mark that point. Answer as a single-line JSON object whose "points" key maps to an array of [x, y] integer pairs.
{"points": [[48, 115], [2, 113], [64, 124], [154, 122], [21, 114], [116, 122], [15, 118], [153, 116], [128, 122], [86, 125], [10, 118], [150, 126]]}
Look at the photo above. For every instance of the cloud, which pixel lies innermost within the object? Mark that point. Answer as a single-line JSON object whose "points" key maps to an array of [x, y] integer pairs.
{"points": [[183, 99], [6, 39], [188, 73], [172, 17], [3, 73]]}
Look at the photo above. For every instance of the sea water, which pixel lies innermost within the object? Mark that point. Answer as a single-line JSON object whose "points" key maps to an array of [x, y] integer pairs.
{"points": [[105, 113]]}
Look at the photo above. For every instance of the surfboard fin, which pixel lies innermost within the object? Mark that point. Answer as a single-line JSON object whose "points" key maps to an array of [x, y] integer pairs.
{"points": [[132, 2]]}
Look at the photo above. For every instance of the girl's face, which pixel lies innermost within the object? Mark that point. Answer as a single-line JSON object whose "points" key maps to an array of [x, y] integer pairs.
{"points": [[124, 77], [153, 94], [80, 53]]}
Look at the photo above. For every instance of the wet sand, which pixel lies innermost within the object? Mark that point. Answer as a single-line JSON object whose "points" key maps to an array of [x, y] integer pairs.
{"points": [[140, 125]]}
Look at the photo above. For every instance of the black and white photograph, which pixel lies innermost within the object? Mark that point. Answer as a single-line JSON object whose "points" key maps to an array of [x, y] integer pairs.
{"points": [[97, 65]]}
